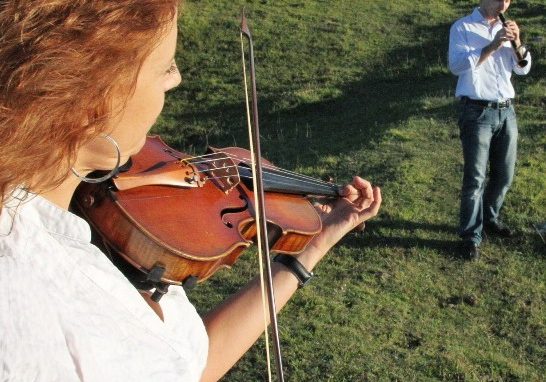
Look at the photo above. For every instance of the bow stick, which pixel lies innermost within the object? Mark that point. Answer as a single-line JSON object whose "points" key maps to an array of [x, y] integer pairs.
{"points": [[260, 215]]}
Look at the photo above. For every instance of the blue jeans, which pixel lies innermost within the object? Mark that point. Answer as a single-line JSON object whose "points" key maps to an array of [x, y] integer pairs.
{"points": [[487, 135]]}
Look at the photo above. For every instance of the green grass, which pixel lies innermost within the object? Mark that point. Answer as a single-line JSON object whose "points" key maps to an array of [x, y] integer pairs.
{"points": [[362, 87]]}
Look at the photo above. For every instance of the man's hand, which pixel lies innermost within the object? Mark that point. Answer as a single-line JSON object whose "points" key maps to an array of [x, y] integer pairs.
{"points": [[510, 32]]}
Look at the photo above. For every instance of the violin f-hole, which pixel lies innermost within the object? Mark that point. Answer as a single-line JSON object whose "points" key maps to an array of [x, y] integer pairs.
{"points": [[233, 210]]}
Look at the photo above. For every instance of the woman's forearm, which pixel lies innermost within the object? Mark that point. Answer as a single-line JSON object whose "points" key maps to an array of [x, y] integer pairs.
{"points": [[238, 322]]}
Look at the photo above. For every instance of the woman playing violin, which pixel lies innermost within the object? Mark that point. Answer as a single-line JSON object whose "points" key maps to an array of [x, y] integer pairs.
{"points": [[82, 83]]}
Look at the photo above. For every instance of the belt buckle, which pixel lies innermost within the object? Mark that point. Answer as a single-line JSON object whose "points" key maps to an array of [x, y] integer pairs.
{"points": [[503, 104]]}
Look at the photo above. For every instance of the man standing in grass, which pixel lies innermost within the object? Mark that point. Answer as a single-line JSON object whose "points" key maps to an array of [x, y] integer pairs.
{"points": [[481, 54]]}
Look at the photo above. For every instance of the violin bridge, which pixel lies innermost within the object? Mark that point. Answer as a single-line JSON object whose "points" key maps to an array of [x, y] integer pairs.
{"points": [[220, 169]]}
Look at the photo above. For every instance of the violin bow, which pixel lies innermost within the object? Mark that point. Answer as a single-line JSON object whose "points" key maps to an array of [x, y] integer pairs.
{"points": [[260, 215]]}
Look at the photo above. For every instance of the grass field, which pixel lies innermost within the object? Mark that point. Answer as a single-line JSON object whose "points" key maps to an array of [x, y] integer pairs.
{"points": [[362, 87]]}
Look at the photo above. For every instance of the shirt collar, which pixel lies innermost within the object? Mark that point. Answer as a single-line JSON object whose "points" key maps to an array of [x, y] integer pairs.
{"points": [[53, 218], [477, 17]]}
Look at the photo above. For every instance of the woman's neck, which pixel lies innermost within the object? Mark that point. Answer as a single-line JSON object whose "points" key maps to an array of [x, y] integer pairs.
{"points": [[62, 194]]}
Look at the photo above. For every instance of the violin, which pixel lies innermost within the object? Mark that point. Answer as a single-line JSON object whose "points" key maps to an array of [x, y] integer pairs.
{"points": [[177, 219]]}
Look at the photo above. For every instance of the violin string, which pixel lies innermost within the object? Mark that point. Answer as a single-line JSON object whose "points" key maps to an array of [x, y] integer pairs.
{"points": [[267, 166], [275, 171], [281, 180], [284, 181]]}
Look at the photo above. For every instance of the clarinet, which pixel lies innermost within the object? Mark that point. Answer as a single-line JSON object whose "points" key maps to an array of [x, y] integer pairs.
{"points": [[521, 57]]}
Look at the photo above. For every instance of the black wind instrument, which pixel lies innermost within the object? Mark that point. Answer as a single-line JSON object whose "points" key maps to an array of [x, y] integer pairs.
{"points": [[521, 51]]}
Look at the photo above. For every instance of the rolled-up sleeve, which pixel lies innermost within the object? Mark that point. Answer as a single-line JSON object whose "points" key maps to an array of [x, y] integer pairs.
{"points": [[461, 58], [521, 71]]}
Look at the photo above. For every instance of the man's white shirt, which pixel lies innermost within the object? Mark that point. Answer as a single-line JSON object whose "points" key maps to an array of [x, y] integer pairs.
{"points": [[491, 79]]}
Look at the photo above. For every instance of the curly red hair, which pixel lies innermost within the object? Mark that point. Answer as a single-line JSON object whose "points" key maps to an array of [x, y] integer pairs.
{"points": [[61, 62]]}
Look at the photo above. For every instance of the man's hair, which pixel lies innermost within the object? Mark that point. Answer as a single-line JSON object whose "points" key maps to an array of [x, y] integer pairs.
{"points": [[61, 64]]}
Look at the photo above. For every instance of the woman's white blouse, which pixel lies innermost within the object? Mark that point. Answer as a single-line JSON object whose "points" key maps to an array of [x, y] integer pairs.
{"points": [[67, 314]]}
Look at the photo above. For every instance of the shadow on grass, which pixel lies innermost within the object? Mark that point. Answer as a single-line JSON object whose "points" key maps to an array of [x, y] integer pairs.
{"points": [[381, 234], [408, 235], [353, 122]]}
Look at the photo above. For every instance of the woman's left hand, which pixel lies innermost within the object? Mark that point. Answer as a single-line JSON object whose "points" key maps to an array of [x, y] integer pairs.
{"points": [[360, 202]]}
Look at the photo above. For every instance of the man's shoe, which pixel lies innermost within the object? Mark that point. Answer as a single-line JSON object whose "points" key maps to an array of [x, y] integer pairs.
{"points": [[470, 251], [498, 229]]}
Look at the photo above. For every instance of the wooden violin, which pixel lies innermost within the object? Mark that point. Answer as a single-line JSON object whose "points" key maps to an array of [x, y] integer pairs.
{"points": [[177, 219]]}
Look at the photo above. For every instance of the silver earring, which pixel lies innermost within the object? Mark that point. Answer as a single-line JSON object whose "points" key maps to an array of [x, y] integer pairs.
{"points": [[111, 173]]}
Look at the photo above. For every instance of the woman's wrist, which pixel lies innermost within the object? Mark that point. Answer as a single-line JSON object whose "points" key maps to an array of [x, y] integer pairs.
{"points": [[292, 264], [317, 248], [310, 256]]}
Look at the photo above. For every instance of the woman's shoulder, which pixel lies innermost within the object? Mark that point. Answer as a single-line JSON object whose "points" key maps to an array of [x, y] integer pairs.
{"points": [[35, 238], [23, 241], [15, 235], [34, 221]]}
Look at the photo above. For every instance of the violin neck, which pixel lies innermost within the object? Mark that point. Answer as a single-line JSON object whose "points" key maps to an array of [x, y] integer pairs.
{"points": [[291, 183]]}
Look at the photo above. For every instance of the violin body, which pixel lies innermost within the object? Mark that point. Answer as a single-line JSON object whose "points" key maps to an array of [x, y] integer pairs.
{"points": [[175, 219]]}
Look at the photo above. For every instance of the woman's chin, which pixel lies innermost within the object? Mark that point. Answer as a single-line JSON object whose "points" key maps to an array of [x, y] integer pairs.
{"points": [[135, 149]]}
